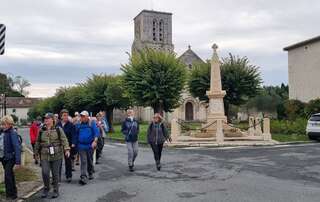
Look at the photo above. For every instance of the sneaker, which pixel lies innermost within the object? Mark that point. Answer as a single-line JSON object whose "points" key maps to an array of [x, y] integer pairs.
{"points": [[83, 181], [44, 194], [55, 194], [131, 168], [91, 177]]}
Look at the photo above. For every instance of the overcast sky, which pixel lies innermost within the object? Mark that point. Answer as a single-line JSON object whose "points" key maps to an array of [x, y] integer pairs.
{"points": [[62, 42]]}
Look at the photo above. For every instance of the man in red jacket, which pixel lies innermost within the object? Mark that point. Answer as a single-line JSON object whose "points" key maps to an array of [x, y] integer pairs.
{"points": [[34, 130]]}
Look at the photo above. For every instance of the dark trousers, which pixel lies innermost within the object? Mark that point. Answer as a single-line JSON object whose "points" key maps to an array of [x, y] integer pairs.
{"points": [[54, 168], [100, 146], [9, 178], [68, 166], [157, 151], [86, 159], [33, 150]]}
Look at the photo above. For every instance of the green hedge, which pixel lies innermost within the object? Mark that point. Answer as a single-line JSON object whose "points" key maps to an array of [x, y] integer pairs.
{"points": [[286, 127]]}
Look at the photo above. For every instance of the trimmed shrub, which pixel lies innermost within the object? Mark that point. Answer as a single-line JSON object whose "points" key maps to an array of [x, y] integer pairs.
{"points": [[312, 107], [288, 127], [294, 109]]}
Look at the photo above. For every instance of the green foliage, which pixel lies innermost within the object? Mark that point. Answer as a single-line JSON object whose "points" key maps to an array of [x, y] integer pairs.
{"points": [[155, 78], [199, 80], [6, 87], [270, 99], [101, 92], [15, 118], [312, 107], [239, 78], [294, 109], [287, 127]]}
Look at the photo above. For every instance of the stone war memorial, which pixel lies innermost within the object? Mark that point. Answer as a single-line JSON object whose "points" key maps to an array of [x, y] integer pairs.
{"points": [[216, 130]]}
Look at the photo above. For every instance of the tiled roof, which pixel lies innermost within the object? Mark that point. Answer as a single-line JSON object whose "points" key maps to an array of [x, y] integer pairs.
{"points": [[302, 43], [20, 102]]}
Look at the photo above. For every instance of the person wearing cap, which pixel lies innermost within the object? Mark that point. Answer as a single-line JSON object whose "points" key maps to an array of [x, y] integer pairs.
{"points": [[157, 134], [69, 130], [130, 129], [10, 155], [51, 145], [85, 139]]}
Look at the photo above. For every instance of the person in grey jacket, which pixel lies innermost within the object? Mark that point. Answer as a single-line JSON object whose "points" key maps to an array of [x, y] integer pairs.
{"points": [[130, 130], [157, 135]]}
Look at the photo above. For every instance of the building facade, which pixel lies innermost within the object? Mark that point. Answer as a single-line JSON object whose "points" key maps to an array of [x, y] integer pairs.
{"points": [[304, 69]]}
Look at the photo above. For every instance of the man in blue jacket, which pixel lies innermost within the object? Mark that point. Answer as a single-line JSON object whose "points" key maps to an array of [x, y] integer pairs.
{"points": [[130, 129], [69, 130], [10, 155], [85, 139]]}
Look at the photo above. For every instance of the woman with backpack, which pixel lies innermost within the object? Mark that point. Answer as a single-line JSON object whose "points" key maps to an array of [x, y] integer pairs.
{"points": [[10, 155], [130, 130], [51, 145], [157, 134]]}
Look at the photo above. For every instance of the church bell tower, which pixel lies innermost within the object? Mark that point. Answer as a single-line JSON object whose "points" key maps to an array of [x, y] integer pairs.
{"points": [[153, 29]]}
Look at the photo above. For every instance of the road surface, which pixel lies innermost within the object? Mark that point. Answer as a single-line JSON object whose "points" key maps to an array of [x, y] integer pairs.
{"points": [[280, 173]]}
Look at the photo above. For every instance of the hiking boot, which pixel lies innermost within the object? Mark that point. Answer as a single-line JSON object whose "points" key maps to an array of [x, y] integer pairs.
{"points": [[91, 177], [131, 168], [159, 167], [55, 194], [44, 194], [69, 179]]}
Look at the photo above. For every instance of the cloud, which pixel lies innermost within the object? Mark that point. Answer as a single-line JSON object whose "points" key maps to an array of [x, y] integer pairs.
{"points": [[62, 42]]}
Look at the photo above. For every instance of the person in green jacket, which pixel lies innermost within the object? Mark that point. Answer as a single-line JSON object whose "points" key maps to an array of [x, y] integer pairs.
{"points": [[50, 146]]}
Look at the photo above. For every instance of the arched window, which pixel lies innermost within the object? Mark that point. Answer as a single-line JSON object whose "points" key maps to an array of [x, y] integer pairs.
{"points": [[154, 30], [161, 28]]}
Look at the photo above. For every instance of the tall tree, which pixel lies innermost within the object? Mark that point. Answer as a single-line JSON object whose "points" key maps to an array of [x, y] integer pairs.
{"points": [[21, 84], [155, 78], [239, 78], [7, 88], [106, 92]]}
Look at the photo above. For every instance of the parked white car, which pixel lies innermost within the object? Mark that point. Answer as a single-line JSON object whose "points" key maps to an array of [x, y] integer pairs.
{"points": [[313, 127]]}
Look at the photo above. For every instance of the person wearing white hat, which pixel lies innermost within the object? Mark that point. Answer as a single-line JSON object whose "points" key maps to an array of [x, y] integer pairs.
{"points": [[85, 139]]}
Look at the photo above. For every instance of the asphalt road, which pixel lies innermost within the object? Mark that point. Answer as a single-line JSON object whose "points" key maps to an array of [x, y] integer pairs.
{"points": [[286, 173]]}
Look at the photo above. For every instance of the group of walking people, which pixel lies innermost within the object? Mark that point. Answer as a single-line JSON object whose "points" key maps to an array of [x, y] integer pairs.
{"points": [[66, 138], [61, 137]]}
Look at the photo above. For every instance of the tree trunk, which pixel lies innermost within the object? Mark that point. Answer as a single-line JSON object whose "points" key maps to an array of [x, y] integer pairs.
{"points": [[158, 108], [109, 114]]}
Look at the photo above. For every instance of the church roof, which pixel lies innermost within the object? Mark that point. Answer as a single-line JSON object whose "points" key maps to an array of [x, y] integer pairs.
{"points": [[151, 11], [189, 56], [302, 43]]}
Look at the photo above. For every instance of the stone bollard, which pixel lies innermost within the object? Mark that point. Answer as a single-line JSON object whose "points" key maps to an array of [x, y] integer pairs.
{"points": [[251, 126], [258, 130], [266, 129], [219, 132], [175, 130]]}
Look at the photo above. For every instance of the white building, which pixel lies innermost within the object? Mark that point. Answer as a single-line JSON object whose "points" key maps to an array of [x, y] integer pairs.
{"points": [[304, 69], [19, 106]]}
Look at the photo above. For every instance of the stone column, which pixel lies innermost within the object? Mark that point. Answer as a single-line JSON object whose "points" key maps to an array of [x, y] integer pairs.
{"points": [[266, 129], [219, 132], [215, 94], [175, 130], [258, 130], [251, 126]]}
